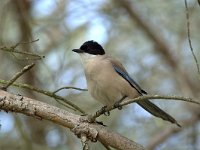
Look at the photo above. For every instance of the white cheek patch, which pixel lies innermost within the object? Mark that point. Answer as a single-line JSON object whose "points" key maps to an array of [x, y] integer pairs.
{"points": [[87, 57]]}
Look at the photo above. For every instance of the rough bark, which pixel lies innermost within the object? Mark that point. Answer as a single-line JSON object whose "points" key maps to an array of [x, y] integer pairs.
{"points": [[30, 107]]}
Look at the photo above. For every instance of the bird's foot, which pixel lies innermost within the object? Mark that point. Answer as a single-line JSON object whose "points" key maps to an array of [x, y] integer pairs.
{"points": [[117, 105], [103, 110], [100, 123]]}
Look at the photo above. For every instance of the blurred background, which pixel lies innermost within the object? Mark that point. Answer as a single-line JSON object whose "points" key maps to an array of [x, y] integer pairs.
{"points": [[148, 37]]}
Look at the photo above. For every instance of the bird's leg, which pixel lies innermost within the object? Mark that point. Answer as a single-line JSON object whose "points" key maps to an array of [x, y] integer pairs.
{"points": [[104, 111], [116, 105]]}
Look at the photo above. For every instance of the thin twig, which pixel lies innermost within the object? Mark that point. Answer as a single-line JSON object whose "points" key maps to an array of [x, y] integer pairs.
{"points": [[146, 97], [47, 93], [84, 141], [64, 104], [17, 75], [26, 58], [24, 43], [69, 87], [189, 37], [13, 50]]}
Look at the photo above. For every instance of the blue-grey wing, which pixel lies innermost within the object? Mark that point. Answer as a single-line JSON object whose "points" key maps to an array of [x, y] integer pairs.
{"points": [[147, 105], [126, 76]]}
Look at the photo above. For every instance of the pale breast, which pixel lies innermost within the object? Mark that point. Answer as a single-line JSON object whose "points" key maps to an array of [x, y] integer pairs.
{"points": [[102, 80]]}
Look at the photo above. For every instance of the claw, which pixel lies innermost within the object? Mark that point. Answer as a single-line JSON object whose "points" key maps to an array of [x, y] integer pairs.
{"points": [[100, 122], [116, 105]]}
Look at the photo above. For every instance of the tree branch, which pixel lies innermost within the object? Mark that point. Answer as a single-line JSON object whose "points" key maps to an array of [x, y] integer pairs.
{"points": [[189, 37], [37, 109], [13, 50], [17, 75], [58, 98], [69, 87], [84, 141], [147, 97]]}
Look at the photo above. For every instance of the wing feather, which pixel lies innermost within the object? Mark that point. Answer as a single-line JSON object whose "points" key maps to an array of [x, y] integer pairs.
{"points": [[147, 105], [123, 73]]}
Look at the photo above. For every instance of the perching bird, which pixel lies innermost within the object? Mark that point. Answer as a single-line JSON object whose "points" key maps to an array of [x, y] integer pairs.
{"points": [[108, 81]]}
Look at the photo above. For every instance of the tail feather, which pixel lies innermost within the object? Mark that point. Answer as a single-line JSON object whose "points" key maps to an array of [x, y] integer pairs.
{"points": [[156, 111]]}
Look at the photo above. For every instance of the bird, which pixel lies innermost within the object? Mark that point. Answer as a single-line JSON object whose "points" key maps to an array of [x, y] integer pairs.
{"points": [[108, 81]]}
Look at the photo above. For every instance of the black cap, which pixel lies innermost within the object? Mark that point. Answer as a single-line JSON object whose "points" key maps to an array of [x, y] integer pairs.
{"points": [[90, 47]]}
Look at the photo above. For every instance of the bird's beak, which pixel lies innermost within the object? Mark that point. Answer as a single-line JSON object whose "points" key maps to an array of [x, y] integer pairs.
{"points": [[78, 50]]}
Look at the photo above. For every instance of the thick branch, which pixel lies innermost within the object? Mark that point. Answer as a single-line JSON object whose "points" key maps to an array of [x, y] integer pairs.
{"points": [[37, 109], [58, 98]]}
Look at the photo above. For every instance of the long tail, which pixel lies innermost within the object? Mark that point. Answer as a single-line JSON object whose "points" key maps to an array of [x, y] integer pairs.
{"points": [[156, 111]]}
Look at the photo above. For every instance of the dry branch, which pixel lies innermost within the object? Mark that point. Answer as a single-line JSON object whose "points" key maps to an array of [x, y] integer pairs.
{"points": [[58, 98], [37, 109], [17, 75], [147, 97], [69, 87], [12, 50], [189, 37]]}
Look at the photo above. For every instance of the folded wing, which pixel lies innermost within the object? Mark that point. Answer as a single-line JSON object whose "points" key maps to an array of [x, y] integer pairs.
{"points": [[147, 105]]}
